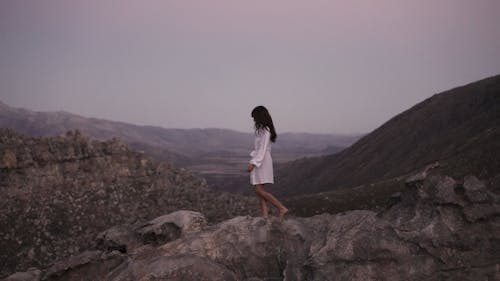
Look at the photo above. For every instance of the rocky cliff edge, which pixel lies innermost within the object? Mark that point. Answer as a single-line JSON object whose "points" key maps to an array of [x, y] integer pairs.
{"points": [[437, 229]]}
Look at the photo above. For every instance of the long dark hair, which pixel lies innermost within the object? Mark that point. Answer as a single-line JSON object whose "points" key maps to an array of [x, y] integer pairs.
{"points": [[263, 121]]}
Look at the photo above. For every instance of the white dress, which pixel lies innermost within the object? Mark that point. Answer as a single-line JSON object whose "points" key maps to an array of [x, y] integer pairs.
{"points": [[262, 173]]}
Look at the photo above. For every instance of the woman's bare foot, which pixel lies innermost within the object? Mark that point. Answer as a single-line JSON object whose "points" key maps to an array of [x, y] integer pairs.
{"points": [[282, 213]]}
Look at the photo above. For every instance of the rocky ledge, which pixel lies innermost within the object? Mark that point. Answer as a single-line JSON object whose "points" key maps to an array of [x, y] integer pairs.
{"points": [[437, 229], [57, 193]]}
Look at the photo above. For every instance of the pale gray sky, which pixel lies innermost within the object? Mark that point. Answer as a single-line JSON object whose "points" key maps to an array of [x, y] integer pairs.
{"points": [[325, 66]]}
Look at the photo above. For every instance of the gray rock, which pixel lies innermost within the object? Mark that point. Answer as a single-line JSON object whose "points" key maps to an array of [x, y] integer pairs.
{"points": [[170, 227], [33, 274], [89, 265], [250, 246], [475, 190], [185, 267], [186, 221], [72, 262], [119, 238]]}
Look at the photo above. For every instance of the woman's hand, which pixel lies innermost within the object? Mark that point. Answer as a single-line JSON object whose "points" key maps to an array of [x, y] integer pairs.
{"points": [[249, 168]]}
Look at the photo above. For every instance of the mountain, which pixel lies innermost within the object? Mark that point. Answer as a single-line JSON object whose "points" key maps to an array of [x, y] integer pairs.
{"points": [[57, 193], [459, 128], [439, 228], [185, 142]]}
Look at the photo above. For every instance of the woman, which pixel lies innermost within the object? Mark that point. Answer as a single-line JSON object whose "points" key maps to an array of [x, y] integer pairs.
{"points": [[261, 164]]}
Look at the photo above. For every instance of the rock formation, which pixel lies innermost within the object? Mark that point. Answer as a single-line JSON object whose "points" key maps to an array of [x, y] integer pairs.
{"points": [[57, 193], [437, 229]]}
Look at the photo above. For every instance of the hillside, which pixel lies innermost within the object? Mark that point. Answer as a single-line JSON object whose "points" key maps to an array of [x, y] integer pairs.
{"points": [[459, 128], [57, 193]]}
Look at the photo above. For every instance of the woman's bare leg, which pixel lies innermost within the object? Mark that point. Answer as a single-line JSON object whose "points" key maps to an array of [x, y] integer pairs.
{"points": [[259, 189], [264, 207]]}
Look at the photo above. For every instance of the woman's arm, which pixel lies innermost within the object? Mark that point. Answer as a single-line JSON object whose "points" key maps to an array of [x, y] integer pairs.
{"points": [[261, 150]]}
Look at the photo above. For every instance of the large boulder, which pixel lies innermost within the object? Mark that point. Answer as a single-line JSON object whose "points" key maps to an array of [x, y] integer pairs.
{"points": [[170, 227], [88, 265], [444, 219], [126, 238]]}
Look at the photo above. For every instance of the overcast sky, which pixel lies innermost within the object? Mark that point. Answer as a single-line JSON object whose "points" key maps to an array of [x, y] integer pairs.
{"points": [[323, 66]]}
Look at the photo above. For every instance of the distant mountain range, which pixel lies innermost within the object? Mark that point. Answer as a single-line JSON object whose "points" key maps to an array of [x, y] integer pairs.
{"points": [[459, 128], [182, 143]]}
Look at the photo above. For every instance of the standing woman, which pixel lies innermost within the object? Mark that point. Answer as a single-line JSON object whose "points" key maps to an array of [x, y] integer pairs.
{"points": [[261, 164]]}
